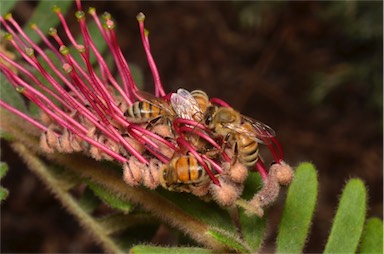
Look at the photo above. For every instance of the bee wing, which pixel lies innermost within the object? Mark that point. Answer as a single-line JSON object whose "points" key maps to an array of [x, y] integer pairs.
{"points": [[185, 105], [259, 131], [156, 101], [262, 131], [250, 133]]}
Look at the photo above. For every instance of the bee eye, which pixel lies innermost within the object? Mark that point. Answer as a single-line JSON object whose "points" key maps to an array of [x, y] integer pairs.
{"points": [[208, 120]]}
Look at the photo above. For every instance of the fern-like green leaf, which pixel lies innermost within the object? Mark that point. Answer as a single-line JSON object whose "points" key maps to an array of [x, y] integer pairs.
{"points": [[349, 220], [298, 211], [372, 239]]}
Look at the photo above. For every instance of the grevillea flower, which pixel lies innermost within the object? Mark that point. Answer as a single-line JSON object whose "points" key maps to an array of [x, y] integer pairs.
{"points": [[84, 108]]}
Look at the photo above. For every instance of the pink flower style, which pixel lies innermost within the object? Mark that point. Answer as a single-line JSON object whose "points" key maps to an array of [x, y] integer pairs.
{"points": [[184, 141]]}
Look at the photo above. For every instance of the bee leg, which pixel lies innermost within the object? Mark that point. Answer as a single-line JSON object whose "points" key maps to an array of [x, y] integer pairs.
{"points": [[225, 141], [170, 126], [235, 154], [152, 123], [182, 188], [234, 147]]}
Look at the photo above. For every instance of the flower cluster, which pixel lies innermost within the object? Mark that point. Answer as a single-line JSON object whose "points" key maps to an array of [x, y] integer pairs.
{"points": [[183, 141]]}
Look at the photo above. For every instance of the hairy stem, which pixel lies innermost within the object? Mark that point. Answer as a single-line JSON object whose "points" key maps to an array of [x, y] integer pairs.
{"points": [[42, 171]]}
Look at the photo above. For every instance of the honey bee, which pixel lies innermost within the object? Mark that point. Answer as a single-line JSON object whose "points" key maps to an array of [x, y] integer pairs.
{"points": [[181, 173], [202, 99], [154, 110], [183, 104], [241, 132], [191, 106], [150, 109]]}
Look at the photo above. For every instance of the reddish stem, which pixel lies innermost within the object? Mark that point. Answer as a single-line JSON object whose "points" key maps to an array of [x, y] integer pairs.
{"points": [[11, 31], [153, 135], [34, 79], [198, 129], [103, 66], [261, 168], [213, 163], [219, 102], [183, 121], [159, 90], [23, 115], [45, 57], [47, 42], [65, 26], [124, 71], [279, 148]]}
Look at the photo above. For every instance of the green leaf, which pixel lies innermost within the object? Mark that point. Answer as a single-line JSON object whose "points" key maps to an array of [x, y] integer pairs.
{"points": [[298, 210], [208, 212], [138, 249], [349, 220], [89, 201], [3, 170], [253, 229], [6, 6], [117, 222], [372, 239], [9, 95], [3, 193], [137, 75], [252, 185], [228, 239], [45, 18], [109, 198], [6, 135], [34, 110]]}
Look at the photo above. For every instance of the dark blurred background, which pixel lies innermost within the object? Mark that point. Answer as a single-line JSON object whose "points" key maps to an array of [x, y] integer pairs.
{"points": [[311, 70]]}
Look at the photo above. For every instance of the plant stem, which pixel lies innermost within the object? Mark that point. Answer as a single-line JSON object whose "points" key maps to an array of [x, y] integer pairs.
{"points": [[42, 171]]}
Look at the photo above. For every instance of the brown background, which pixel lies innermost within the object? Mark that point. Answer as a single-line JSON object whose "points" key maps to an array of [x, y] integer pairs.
{"points": [[266, 71]]}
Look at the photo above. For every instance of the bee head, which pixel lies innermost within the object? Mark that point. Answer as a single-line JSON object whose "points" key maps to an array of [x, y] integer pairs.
{"points": [[226, 115], [208, 117]]}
